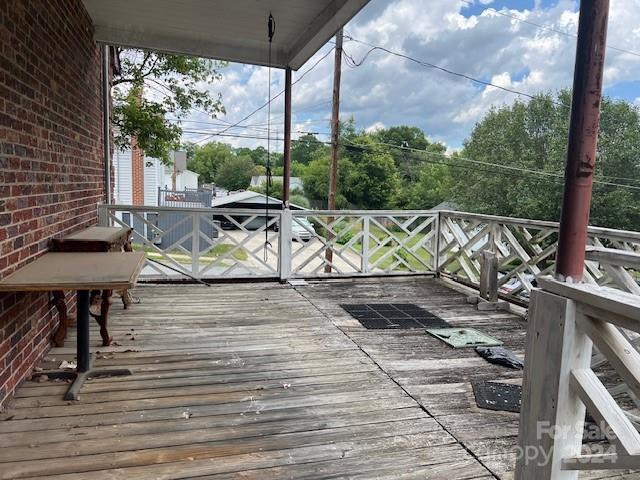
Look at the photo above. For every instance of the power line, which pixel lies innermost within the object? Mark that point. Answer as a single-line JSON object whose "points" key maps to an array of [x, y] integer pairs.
{"points": [[268, 102], [550, 29], [434, 66], [496, 167]]}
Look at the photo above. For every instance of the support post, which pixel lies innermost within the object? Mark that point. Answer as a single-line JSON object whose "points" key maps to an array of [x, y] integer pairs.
{"points": [[195, 245], [365, 243], [583, 138], [552, 415], [285, 242], [286, 180], [489, 276], [335, 135], [106, 122]]}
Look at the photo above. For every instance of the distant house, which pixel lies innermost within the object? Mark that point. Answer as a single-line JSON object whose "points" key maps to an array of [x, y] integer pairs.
{"points": [[295, 183], [247, 199], [138, 178]]}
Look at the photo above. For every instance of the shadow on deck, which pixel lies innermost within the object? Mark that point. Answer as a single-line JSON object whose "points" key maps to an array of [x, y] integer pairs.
{"points": [[264, 381]]}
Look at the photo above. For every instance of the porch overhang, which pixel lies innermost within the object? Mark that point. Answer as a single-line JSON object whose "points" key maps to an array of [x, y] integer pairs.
{"points": [[232, 30]]}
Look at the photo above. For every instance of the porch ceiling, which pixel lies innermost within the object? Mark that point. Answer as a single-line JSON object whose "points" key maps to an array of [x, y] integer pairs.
{"points": [[233, 30]]}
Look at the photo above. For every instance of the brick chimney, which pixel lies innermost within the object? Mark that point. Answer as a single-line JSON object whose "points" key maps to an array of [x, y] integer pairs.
{"points": [[137, 163], [137, 173]]}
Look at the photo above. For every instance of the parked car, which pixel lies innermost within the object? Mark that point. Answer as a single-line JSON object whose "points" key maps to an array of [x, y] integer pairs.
{"points": [[302, 229]]}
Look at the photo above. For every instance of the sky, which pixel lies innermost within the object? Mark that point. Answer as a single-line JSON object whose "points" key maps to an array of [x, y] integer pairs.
{"points": [[478, 38]]}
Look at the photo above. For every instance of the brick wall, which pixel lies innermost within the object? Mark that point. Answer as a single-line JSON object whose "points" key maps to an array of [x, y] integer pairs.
{"points": [[50, 158]]}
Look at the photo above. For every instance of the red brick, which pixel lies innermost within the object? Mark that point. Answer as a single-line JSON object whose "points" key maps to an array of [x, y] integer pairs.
{"points": [[50, 158]]}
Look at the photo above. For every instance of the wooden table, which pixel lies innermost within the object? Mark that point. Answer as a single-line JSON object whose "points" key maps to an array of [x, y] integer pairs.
{"points": [[81, 272], [92, 239]]}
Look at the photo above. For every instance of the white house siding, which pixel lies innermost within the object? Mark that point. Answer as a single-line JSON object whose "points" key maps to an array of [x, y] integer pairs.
{"points": [[122, 190], [153, 178]]}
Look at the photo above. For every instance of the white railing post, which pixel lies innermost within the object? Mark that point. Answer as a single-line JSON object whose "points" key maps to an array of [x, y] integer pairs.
{"points": [[285, 244], [195, 246], [365, 244], [436, 264], [552, 415], [103, 215]]}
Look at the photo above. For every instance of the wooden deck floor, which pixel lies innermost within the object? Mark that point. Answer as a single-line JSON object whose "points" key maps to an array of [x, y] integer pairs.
{"points": [[267, 381]]}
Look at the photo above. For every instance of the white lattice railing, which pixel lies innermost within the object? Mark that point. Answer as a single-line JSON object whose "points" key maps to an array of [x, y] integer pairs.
{"points": [[200, 242], [229, 243], [565, 322], [525, 249], [363, 243]]}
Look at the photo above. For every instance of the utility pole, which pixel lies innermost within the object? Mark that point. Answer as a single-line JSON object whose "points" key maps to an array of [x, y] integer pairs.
{"points": [[286, 158], [583, 139], [335, 135]]}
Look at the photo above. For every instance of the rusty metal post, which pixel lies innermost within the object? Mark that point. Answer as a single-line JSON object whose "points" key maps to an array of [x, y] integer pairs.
{"points": [[286, 180], [583, 138]]}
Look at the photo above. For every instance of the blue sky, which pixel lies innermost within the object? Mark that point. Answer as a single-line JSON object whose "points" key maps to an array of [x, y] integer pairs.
{"points": [[475, 37]]}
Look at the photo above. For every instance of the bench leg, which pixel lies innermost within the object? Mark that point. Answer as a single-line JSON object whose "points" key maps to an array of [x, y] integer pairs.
{"points": [[102, 319], [61, 306]]}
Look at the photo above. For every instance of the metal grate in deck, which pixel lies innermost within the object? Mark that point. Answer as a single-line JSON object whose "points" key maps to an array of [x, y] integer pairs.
{"points": [[393, 316]]}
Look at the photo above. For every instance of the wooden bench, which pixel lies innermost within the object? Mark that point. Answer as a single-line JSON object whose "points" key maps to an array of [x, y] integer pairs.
{"points": [[92, 239]]}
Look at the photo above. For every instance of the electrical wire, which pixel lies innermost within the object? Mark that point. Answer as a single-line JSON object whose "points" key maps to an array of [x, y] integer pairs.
{"points": [[424, 63], [495, 167], [271, 29], [549, 29], [271, 99]]}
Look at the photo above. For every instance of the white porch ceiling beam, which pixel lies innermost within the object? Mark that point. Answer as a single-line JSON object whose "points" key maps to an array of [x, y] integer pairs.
{"points": [[218, 49], [333, 18]]}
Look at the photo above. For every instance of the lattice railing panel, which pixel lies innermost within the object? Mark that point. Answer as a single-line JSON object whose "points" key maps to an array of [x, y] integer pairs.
{"points": [[201, 243], [364, 243], [525, 249]]}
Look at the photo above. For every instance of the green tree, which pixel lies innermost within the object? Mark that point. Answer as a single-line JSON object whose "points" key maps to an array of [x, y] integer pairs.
{"points": [[435, 185], [533, 136], [372, 179], [206, 159], [316, 181], [412, 142], [306, 148], [150, 88], [234, 173]]}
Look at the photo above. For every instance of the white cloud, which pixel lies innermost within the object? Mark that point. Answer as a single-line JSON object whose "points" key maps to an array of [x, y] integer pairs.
{"points": [[388, 90]]}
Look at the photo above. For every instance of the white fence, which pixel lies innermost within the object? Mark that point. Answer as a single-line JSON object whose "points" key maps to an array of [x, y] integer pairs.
{"points": [[525, 249], [232, 243], [566, 322], [200, 242]]}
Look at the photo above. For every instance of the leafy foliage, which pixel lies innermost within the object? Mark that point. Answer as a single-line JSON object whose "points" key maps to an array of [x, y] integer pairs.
{"points": [[234, 173], [533, 136], [150, 87]]}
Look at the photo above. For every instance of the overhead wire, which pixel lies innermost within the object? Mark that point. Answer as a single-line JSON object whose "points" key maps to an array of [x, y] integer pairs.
{"points": [[544, 27], [271, 99], [495, 167]]}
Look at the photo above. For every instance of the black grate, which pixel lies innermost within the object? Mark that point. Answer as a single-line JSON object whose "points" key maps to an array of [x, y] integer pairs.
{"points": [[395, 316], [502, 397]]}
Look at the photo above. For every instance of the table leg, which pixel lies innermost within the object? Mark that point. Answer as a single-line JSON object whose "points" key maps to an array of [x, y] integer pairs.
{"points": [[84, 356], [83, 369]]}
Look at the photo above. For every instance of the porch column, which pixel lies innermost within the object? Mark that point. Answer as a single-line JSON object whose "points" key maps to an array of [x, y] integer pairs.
{"points": [[106, 122], [583, 138], [286, 178]]}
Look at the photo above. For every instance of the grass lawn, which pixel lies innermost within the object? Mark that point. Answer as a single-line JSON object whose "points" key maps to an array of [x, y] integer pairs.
{"points": [[378, 252], [205, 258]]}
